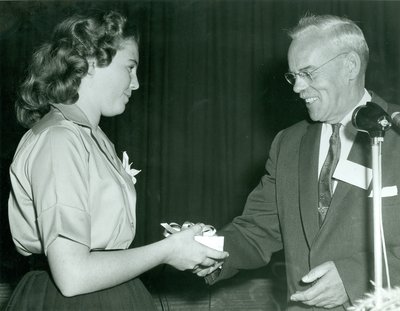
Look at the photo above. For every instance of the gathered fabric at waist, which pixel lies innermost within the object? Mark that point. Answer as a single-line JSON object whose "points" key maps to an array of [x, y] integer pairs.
{"points": [[38, 262]]}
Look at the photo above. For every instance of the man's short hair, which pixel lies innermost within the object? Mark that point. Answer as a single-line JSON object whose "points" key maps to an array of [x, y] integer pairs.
{"points": [[341, 31]]}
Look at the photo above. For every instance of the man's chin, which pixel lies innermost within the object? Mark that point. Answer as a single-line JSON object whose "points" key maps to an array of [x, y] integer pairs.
{"points": [[313, 117]]}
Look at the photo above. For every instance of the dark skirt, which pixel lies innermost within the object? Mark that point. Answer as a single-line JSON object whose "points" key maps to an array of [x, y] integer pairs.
{"points": [[37, 291]]}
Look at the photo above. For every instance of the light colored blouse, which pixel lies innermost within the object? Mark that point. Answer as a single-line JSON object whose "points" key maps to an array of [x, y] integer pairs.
{"points": [[68, 181]]}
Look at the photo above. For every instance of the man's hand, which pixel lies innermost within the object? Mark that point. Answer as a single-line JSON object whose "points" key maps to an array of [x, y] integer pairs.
{"points": [[327, 290], [202, 271], [184, 252]]}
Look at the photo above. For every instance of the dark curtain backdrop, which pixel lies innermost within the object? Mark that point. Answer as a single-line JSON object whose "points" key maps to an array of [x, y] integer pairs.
{"points": [[211, 99]]}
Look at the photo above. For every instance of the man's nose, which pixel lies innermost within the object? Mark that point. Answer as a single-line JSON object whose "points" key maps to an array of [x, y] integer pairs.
{"points": [[300, 84]]}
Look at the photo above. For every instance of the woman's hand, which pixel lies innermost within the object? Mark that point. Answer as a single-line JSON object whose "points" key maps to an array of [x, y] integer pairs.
{"points": [[186, 253]]}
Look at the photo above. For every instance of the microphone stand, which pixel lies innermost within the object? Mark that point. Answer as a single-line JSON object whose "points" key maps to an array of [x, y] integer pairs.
{"points": [[377, 138], [375, 121], [376, 147]]}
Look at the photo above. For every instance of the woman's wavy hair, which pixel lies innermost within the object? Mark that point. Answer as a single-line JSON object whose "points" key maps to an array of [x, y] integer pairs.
{"points": [[59, 65]]}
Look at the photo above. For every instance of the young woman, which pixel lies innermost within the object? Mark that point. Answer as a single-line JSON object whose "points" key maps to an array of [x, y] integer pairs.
{"points": [[72, 199]]}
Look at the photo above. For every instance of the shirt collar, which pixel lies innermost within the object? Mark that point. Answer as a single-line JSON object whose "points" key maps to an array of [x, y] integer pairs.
{"points": [[347, 118], [73, 113]]}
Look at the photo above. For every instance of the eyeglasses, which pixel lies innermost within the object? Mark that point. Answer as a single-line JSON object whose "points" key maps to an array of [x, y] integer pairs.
{"points": [[307, 75]]}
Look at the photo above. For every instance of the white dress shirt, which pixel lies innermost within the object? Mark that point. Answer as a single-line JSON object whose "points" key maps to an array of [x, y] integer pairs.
{"points": [[347, 133]]}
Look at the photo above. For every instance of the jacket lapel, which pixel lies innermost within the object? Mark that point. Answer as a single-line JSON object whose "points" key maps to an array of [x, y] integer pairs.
{"points": [[360, 153], [308, 179]]}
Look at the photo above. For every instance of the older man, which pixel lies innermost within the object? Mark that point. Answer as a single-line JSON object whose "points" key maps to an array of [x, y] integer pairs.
{"points": [[315, 199]]}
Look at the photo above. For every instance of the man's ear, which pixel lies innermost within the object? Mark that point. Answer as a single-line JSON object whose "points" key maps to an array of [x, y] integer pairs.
{"points": [[353, 65]]}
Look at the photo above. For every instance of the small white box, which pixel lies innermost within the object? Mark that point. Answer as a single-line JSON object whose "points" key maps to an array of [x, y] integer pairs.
{"points": [[216, 242]]}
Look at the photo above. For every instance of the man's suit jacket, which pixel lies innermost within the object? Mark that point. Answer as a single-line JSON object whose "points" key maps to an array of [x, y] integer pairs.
{"points": [[281, 212]]}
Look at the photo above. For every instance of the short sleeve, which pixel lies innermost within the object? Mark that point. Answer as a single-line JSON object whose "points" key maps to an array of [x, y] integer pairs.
{"points": [[59, 177]]}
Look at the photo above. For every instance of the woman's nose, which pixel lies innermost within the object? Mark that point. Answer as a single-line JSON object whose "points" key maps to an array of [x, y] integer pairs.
{"points": [[134, 85]]}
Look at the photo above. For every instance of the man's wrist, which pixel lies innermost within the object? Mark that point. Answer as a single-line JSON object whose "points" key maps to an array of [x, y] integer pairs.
{"points": [[213, 276]]}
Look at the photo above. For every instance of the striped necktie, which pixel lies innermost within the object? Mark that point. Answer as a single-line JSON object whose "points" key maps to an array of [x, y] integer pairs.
{"points": [[325, 183]]}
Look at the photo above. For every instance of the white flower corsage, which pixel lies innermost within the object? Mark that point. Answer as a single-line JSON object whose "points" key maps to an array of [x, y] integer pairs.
{"points": [[127, 167]]}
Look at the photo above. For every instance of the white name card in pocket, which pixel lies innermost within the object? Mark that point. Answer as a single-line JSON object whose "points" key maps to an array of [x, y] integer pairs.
{"points": [[353, 174]]}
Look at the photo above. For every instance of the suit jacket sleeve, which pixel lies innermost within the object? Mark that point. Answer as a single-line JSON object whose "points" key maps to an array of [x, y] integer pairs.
{"points": [[252, 237]]}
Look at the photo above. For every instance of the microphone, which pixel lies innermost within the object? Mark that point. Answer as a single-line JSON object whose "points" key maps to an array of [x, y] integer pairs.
{"points": [[372, 119]]}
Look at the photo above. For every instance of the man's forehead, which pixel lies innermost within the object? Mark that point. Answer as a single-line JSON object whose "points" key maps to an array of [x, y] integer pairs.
{"points": [[311, 42], [306, 50]]}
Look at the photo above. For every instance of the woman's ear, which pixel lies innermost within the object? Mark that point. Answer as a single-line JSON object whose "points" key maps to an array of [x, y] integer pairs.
{"points": [[353, 65], [92, 66]]}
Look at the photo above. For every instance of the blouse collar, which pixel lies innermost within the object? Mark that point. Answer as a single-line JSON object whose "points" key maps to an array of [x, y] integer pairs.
{"points": [[73, 113]]}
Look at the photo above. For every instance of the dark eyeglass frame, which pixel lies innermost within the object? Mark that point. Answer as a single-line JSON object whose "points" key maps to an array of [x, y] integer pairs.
{"points": [[307, 75]]}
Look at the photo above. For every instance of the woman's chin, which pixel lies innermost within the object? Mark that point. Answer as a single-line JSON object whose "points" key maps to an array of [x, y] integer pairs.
{"points": [[121, 107], [120, 111]]}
